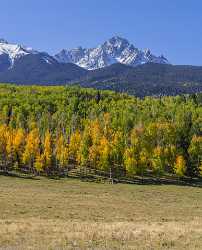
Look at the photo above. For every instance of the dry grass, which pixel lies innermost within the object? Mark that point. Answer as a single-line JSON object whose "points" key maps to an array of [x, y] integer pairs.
{"points": [[69, 214]]}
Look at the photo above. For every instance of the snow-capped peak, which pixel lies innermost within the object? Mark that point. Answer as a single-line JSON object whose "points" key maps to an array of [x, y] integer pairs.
{"points": [[115, 50], [14, 51], [116, 42]]}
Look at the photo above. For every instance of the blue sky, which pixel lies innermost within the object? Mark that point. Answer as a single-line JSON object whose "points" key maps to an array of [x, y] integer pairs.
{"points": [[172, 28]]}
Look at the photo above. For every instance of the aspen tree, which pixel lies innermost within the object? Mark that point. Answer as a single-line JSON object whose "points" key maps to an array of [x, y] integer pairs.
{"points": [[32, 149], [86, 143], [3, 144], [195, 153], [62, 152], [130, 162], [47, 152], [170, 156], [118, 146], [95, 134], [9, 147], [74, 146], [142, 163], [18, 145], [104, 152], [158, 161], [180, 166], [39, 163]]}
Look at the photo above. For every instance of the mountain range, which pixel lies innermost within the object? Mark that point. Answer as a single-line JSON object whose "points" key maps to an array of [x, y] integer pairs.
{"points": [[114, 65], [23, 65], [115, 50]]}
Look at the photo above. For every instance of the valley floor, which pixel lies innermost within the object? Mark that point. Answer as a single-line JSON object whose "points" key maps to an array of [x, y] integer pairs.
{"points": [[69, 214]]}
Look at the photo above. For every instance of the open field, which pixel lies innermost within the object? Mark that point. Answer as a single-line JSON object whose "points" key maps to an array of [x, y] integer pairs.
{"points": [[70, 214]]}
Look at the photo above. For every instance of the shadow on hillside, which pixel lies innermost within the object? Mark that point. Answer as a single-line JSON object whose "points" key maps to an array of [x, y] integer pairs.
{"points": [[191, 182], [146, 180], [18, 175], [195, 182], [149, 180]]}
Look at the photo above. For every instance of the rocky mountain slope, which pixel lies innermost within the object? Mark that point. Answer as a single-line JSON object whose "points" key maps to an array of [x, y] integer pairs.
{"points": [[115, 50], [20, 64]]}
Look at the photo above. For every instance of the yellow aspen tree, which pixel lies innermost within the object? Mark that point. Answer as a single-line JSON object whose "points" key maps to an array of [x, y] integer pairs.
{"points": [[159, 134], [62, 152], [157, 161], [170, 156], [135, 136], [104, 152], [165, 133], [74, 146], [95, 134], [200, 169], [195, 153], [106, 126], [18, 145], [39, 163], [94, 155], [118, 146], [151, 136], [32, 149], [9, 146], [180, 166], [135, 162], [3, 143], [95, 131], [47, 152], [142, 162], [130, 162], [86, 143]]}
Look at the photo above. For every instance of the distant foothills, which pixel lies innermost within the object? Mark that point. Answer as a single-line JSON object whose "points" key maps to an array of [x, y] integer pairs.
{"points": [[115, 65]]}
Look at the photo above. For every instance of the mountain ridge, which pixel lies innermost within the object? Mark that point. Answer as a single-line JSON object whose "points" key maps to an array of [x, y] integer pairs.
{"points": [[23, 65], [147, 79], [114, 50]]}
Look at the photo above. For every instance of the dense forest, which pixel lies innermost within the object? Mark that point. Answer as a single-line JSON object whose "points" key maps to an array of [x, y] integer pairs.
{"points": [[48, 130], [146, 80]]}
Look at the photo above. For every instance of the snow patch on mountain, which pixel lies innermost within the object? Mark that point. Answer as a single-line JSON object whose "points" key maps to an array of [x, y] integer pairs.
{"points": [[115, 50], [16, 51]]}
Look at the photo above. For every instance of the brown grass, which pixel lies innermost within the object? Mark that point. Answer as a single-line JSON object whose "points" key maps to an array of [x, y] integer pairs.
{"points": [[69, 214]]}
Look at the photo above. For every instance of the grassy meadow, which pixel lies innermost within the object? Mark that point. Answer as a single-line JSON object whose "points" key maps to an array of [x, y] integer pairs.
{"points": [[44, 213]]}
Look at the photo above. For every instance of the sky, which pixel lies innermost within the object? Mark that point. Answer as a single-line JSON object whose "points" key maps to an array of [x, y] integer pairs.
{"points": [[169, 27]]}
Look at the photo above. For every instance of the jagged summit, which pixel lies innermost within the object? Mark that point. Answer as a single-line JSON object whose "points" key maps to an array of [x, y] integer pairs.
{"points": [[114, 50], [117, 42], [14, 51]]}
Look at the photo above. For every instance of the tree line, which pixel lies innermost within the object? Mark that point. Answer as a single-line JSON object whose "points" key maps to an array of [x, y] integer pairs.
{"points": [[45, 130]]}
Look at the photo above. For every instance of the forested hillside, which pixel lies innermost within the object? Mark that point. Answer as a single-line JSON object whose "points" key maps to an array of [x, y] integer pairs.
{"points": [[149, 79], [45, 130]]}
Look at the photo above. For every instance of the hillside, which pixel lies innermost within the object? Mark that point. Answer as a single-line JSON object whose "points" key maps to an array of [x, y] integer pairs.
{"points": [[144, 80], [33, 69], [147, 79], [115, 65]]}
